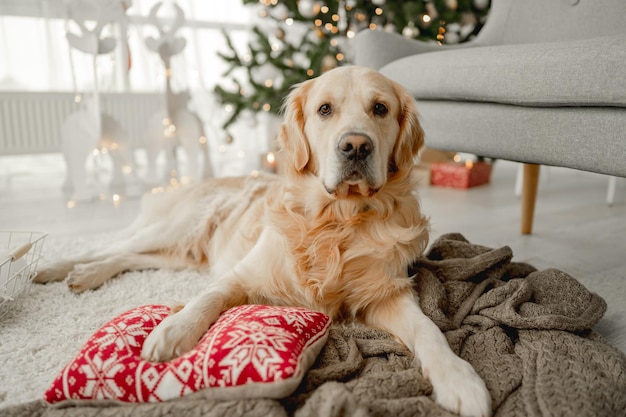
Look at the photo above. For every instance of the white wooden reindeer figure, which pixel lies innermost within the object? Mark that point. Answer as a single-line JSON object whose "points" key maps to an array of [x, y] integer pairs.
{"points": [[88, 129], [176, 125]]}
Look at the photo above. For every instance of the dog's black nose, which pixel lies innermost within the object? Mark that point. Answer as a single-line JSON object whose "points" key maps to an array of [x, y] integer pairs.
{"points": [[355, 146]]}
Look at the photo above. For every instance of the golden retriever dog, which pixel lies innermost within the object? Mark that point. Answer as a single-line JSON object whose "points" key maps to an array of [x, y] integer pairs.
{"points": [[334, 233]]}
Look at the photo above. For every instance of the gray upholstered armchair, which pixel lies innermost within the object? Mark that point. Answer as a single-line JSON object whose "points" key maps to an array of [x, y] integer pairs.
{"points": [[543, 83]]}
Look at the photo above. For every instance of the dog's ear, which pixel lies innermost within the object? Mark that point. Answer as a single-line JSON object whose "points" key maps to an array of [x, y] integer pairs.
{"points": [[292, 139], [411, 136]]}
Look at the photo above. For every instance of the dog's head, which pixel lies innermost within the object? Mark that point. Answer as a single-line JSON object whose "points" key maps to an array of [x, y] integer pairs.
{"points": [[352, 128]]}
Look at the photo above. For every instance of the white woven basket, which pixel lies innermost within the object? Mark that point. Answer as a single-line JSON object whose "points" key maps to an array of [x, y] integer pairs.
{"points": [[19, 254]]}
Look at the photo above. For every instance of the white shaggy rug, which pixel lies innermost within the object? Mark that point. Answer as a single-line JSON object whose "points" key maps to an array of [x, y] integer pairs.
{"points": [[45, 327]]}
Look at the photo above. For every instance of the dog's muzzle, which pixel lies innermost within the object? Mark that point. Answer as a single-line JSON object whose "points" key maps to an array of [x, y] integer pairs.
{"points": [[354, 156]]}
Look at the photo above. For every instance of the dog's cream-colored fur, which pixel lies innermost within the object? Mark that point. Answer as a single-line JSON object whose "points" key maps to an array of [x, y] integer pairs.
{"points": [[335, 233]]}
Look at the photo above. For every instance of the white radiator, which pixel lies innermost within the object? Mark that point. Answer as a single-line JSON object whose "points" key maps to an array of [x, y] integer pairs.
{"points": [[30, 122]]}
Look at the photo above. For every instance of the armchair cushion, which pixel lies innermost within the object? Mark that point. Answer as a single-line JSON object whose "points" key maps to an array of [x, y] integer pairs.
{"points": [[570, 73]]}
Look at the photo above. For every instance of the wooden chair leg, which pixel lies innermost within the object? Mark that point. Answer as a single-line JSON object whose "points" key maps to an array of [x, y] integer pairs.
{"points": [[529, 196], [610, 193]]}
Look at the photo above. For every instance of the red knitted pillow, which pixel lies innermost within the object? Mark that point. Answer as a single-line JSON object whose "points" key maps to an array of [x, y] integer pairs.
{"points": [[251, 351]]}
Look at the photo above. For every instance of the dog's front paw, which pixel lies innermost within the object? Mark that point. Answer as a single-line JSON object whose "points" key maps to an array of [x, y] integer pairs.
{"points": [[174, 336], [88, 276], [53, 271], [458, 388]]}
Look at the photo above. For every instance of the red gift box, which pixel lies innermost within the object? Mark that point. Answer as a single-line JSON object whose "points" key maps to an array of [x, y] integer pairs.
{"points": [[459, 174]]}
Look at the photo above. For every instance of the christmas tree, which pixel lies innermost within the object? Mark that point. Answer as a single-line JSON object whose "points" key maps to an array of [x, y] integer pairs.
{"points": [[301, 39]]}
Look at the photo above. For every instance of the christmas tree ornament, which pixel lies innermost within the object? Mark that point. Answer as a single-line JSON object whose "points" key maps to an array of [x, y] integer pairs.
{"points": [[308, 8], [481, 4], [410, 31], [452, 37], [452, 4], [466, 30], [328, 62], [280, 34], [300, 59], [468, 19], [279, 81], [279, 12], [453, 33]]}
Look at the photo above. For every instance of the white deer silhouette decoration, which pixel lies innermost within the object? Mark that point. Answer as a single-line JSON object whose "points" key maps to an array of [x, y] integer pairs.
{"points": [[88, 129], [175, 125]]}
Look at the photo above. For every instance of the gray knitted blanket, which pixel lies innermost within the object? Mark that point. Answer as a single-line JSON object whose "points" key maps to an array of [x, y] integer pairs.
{"points": [[526, 332]]}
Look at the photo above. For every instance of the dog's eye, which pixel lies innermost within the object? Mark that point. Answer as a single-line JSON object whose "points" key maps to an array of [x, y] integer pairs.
{"points": [[325, 110], [380, 109]]}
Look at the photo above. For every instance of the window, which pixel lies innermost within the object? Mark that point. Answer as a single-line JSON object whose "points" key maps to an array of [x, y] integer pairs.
{"points": [[35, 54]]}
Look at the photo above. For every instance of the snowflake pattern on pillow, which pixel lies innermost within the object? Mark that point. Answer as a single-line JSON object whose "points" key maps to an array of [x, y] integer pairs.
{"points": [[251, 351]]}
